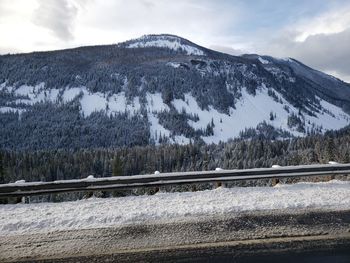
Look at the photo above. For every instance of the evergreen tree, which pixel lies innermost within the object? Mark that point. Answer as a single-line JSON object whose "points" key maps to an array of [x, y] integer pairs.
{"points": [[2, 172], [117, 167]]}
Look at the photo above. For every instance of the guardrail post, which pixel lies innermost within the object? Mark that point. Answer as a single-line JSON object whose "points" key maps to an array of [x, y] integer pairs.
{"points": [[274, 181], [218, 184], [333, 163], [14, 200], [4, 201]]}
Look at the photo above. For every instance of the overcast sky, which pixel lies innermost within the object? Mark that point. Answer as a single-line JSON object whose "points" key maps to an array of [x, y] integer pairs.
{"points": [[316, 32]]}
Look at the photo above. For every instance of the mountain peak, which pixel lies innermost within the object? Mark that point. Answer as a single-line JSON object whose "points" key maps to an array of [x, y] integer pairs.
{"points": [[169, 41]]}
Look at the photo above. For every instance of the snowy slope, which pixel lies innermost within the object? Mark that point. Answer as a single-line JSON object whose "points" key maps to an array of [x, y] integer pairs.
{"points": [[249, 111], [155, 105], [97, 213]]}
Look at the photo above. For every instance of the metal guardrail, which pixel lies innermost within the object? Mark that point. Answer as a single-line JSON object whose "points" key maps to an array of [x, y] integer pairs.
{"points": [[20, 189]]}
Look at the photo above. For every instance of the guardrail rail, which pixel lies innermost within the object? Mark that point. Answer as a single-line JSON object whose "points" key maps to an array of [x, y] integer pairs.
{"points": [[20, 188]]}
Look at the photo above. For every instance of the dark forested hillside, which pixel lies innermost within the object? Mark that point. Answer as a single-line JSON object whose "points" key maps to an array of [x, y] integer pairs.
{"points": [[68, 164], [160, 89]]}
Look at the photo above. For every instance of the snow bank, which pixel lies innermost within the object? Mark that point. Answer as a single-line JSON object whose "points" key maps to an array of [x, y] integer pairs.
{"points": [[96, 213]]}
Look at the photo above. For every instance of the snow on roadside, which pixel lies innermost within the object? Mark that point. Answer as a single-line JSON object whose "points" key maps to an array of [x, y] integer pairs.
{"points": [[96, 213]]}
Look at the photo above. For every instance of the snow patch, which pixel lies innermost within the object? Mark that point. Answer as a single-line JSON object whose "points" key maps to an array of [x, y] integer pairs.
{"points": [[93, 102], [287, 60], [118, 103], [155, 102], [263, 61], [71, 93], [156, 105], [331, 117], [34, 94], [156, 129], [10, 109], [173, 64], [3, 85], [180, 139], [250, 111], [37, 96], [173, 43]]}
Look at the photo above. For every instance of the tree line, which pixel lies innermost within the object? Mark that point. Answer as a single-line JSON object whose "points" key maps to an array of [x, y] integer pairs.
{"points": [[50, 165]]}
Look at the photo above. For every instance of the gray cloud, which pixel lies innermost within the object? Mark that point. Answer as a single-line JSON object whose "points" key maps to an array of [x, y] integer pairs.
{"points": [[233, 27], [57, 16], [329, 52], [147, 4], [5, 10], [192, 19], [326, 52], [227, 50]]}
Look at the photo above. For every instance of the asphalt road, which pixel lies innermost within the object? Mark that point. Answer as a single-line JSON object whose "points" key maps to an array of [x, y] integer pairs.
{"points": [[245, 237]]}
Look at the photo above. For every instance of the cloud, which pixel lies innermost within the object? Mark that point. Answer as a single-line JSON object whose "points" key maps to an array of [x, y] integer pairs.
{"points": [[315, 32], [196, 20], [326, 52], [330, 52], [4, 13], [57, 16], [227, 50], [334, 21], [321, 42]]}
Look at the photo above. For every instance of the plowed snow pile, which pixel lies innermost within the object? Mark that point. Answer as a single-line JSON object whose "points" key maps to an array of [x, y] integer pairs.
{"points": [[96, 213]]}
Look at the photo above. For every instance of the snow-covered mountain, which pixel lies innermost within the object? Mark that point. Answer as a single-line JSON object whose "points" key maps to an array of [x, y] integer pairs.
{"points": [[160, 89]]}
